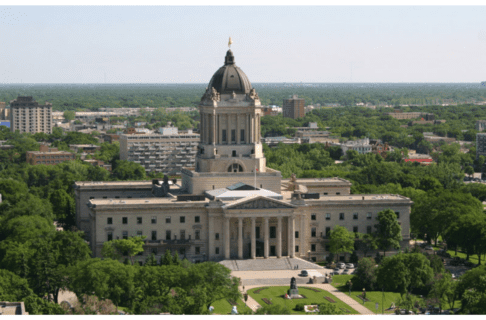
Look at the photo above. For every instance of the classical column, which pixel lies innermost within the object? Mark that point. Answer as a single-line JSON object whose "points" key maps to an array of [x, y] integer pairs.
{"points": [[265, 249], [253, 238], [302, 235], [252, 129], [279, 237], [210, 238], [247, 128], [228, 129], [237, 128], [226, 238], [292, 237], [214, 128], [240, 238]]}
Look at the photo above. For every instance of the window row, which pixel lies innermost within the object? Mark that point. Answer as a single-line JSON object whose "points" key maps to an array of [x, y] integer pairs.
{"points": [[182, 219], [328, 231], [168, 235], [369, 216]]}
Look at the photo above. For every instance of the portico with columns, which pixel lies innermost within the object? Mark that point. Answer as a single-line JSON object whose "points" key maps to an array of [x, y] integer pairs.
{"points": [[255, 227]]}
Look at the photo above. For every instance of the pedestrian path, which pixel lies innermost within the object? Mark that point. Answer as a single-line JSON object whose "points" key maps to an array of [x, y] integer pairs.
{"points": [[251, 303], [344, 298]]}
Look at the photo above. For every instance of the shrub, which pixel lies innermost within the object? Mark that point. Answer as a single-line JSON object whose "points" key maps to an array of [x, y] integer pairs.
{"points": [[378, 258], [299, 307], [353, 258]]}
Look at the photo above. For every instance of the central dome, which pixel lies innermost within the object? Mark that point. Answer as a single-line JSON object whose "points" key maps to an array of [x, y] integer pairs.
{"points": [[229, 78]]}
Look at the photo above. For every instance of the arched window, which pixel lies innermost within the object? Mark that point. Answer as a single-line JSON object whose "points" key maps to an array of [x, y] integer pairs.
{"points": [[235, 167]]}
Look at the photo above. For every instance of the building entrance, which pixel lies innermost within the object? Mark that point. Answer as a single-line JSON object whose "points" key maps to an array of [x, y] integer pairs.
{"points": [[273, 251]]}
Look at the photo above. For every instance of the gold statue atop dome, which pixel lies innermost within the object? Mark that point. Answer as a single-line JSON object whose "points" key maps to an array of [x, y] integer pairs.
{"points": [[230, 42]]}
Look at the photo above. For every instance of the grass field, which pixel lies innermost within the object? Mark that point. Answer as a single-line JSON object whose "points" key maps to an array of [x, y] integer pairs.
{"points": [[472, 258], [223, 306], [275, 294]]}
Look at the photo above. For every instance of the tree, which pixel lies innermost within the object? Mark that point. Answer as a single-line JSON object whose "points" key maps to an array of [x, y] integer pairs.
{"points": [[106, 279], [366, 273], [69, 115], [474, 300], [13, 287], [175, 260], [217, 281], [441, 287], [388, 231], [341, 240], [126, 170], [366, 243], [436, 263], [63, 207], [403, 272], [151, 260], [24, 228], [167, 260], [116, 249]]}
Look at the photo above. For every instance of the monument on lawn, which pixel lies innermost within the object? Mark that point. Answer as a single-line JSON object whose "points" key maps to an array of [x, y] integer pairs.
{"points": [[234, 310], [293, 291]]}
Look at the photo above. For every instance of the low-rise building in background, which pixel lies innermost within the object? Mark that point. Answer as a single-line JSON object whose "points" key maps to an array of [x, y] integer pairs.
{"points": [[48, 156]]}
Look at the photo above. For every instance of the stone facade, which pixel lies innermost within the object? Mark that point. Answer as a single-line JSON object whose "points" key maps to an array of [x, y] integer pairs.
{"points": [[26, 115]]}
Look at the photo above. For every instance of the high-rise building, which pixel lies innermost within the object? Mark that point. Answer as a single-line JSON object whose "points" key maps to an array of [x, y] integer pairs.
{"points": [[480, 125], [166, 153], [294, 107], [26, 115], [480, 144]]}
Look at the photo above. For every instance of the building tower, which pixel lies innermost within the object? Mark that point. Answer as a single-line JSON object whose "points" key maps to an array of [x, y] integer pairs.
{"points": [[230, 148], [230, 123], [294, 107]]}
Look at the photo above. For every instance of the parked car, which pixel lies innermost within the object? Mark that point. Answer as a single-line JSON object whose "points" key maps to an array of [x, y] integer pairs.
{"points": [[341, 265], [349, 265], [304, 273], [347, 271]]}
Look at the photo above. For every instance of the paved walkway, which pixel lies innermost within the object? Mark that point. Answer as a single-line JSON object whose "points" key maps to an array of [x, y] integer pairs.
{"points": [[324, 286]]}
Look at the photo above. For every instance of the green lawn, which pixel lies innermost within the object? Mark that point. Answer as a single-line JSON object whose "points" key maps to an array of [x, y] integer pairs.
{"points": [[472, 258], [276, 295], [223, 306]]}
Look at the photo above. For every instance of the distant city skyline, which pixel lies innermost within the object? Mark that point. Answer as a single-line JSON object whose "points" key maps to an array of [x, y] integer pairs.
{"points": [[162, 44]]}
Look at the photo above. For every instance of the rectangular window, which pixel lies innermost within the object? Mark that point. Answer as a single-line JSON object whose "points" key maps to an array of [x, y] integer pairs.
{"points": [[139, 220], [296, 248], [124, 220], [167, 219], [198, 250], [257, 232], [154, 220], [167, 235], [368, 216], [328, 231], [105, 197], [242, 135], [154, 251], [338, 193], [296, 234], [273, 232], [355, 229], [325, 193], [314, 259], [110, 236], [223, 137], [139, 233], [398, 214], [233, 135], [182, 219], [183, 234], [198, 235], [91, 198], [313, 247], [368, 229], [196, 219], [216, 250], [154, 235], [216, 236], [355, 216], [313, 216], [328, 216], [125, 235], [109, 220], [328, 247], [341, 216], [117, 197], [313, 232]]}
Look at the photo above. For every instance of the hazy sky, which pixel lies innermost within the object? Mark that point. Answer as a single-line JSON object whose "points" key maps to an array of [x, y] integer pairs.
{"points": [[130, 44]]}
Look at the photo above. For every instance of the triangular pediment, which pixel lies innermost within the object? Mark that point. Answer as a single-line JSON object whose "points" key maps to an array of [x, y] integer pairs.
{"points": [[258, 202]]}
